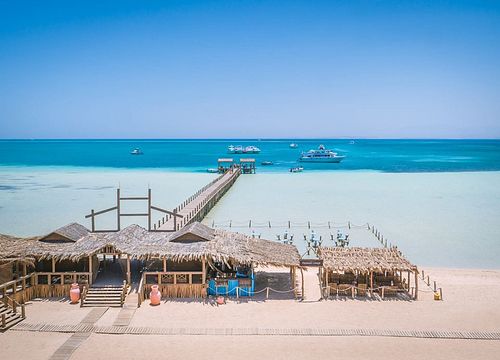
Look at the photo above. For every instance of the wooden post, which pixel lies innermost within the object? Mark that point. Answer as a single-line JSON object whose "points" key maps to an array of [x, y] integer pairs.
{"points": [[118, 209], [90, 270], [371, 283], [175, 219], [53, 265], [3, 321], [416, 284], [164, 264], [23, 312], [203, 275], [128, 269], [441, 293], [267, 292], [92, 217]]}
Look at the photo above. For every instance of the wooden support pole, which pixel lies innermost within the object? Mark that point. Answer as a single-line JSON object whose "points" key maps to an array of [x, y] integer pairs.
{"points": [[128, 270], [203, 270], [371, 283], [92, 217], [118, 226], [53, 265], [416, 285], [90, 270], [164, 264]]}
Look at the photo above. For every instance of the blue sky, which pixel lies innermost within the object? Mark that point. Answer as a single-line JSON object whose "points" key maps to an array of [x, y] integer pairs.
{"points": [[170, 69]]}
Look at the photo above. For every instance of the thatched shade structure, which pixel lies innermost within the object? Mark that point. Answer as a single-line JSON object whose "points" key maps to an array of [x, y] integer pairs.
{"points": [[364, 260], [193, 242], [366, 270], [72, 252]]}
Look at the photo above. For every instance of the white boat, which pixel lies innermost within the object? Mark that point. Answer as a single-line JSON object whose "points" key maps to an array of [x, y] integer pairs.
{"points": [[296, 169], [136, 151], [238, 149], [251, 150], [321, 155], [294, 145], [212, 171], [267, 163]]}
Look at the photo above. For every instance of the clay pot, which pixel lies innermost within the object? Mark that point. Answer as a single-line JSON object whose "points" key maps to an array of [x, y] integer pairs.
{"points": [[154, 295], [74, 293], [220, 300]]}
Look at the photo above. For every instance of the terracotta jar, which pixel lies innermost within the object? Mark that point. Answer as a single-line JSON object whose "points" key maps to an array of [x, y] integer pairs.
{"points": [[74, 293], [220, 300], [154, 295]]}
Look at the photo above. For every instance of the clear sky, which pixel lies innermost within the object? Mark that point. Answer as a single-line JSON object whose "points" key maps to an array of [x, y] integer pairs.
{"points": [[255, 69]]}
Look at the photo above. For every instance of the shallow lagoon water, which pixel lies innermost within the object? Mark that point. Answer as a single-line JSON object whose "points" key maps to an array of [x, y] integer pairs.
{"points": [[436, 219]]}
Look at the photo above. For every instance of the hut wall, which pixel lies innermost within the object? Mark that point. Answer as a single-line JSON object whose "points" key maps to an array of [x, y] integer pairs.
{"points": [[196, 291]]}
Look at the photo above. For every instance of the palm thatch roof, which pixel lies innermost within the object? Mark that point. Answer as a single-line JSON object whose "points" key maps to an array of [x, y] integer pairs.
{"points": [[194, 242], [70, 232], [364, 260]]}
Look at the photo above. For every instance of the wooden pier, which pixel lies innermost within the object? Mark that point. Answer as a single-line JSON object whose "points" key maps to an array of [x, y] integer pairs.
{"points": [[198, 205]]}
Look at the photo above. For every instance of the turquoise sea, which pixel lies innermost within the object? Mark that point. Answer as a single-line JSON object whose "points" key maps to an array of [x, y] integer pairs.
{"points": [[198, 155]]}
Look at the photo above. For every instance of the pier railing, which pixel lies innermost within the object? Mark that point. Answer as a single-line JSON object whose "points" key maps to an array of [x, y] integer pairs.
{"points": [[196, 206]]}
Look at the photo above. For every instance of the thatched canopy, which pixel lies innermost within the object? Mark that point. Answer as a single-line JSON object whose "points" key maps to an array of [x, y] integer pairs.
{"points": [[70, 232], [190, 243], [364, 260]]}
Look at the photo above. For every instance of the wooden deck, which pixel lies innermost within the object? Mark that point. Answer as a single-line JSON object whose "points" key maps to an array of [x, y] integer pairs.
{"points": [[330, 332], [197, 206]]}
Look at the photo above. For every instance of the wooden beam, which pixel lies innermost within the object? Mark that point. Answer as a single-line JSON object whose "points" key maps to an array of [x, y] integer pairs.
{"points": [[164, 264], [94, 213], [53, 265], [203, 269], [128, 269], [149, 209], [118, 208], [90, 270], [416, 284]]}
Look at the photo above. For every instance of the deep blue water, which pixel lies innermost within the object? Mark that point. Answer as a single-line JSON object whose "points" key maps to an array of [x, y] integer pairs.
{"points": [[198, 155]]}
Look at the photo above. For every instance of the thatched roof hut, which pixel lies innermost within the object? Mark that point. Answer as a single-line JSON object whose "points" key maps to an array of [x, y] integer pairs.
{"points": [[193, 242], [71, 232], [364, 260]]}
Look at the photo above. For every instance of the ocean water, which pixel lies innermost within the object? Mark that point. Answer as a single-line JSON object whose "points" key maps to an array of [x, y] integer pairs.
{"points": [[199, 155]]}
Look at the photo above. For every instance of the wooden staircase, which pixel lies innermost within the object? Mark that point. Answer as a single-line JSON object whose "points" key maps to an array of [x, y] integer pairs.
{"points": [[9, 317], [104, 295]]}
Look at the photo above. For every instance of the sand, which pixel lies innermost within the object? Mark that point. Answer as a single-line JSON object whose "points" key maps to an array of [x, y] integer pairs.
{"points": [[470, 303]]}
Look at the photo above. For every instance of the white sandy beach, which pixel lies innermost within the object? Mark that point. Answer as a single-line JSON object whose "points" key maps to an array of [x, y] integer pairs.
{"points": [[463, 310]]}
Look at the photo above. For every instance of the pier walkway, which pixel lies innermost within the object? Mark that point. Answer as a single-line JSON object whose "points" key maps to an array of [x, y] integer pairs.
{"points": [[198, 205]]}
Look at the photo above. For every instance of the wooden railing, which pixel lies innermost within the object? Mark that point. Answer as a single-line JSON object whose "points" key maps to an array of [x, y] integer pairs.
{"points": [[174, 284], [140, 292], [124, 292], [83, 294]]}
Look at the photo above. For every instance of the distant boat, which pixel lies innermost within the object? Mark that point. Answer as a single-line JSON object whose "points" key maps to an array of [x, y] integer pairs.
{"points": [[136, 151], [267, 163], [321, 155], [352, 142], [243, 150], [251, 150], [296, 169], [212, 171], [294, 145]]}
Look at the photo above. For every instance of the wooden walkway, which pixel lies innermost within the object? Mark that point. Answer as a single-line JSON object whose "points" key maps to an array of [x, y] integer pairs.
{"points": [[195, 207], [65, 351], [136, 330]]}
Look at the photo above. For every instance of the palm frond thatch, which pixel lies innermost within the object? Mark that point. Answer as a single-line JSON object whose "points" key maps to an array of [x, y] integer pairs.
{"points": [[364, 260], [194, 242]]}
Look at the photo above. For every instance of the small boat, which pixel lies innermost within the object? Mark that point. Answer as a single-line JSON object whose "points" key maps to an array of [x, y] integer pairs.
{"points": [[296, 169], [238, 149], [294, 145], [321, 155], [136, 151], [267, 163], [242, 150], [352, 142], [251, 150], [212, 171]]}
